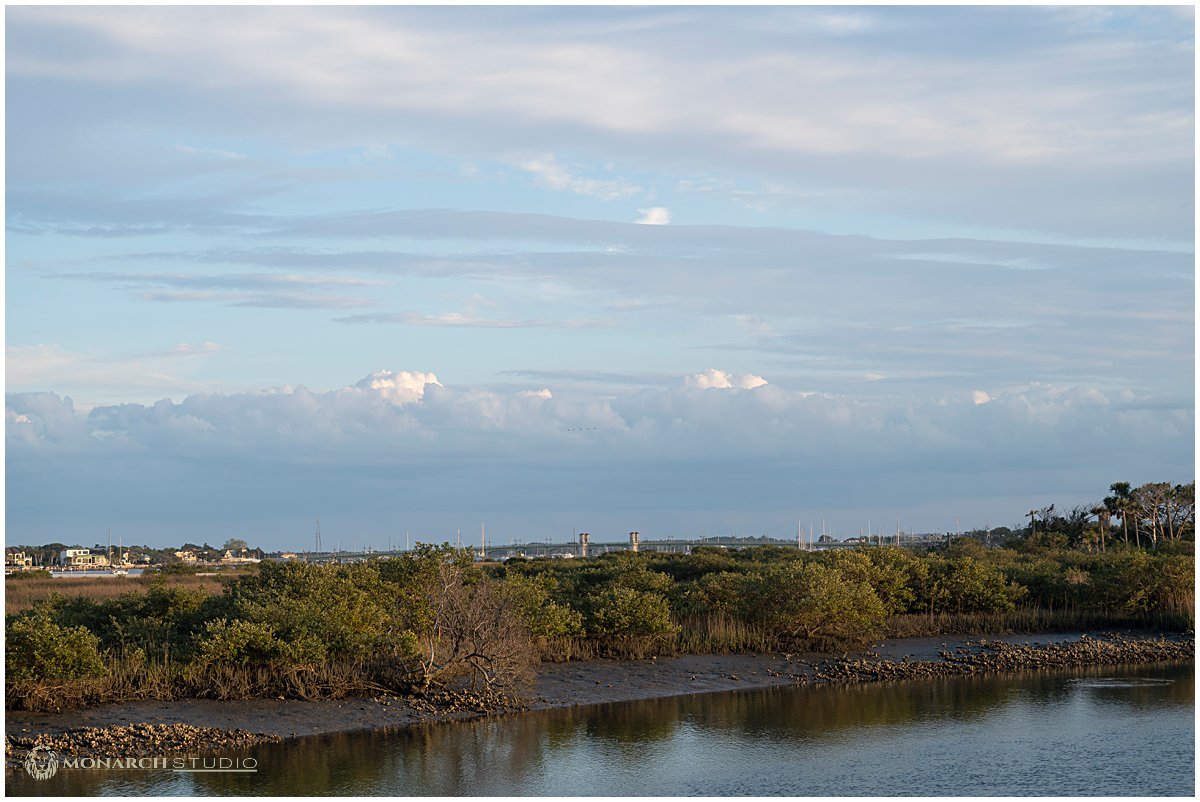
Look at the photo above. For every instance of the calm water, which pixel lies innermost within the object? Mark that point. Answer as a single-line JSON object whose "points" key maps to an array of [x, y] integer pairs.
{"points": [[1127, 732]]}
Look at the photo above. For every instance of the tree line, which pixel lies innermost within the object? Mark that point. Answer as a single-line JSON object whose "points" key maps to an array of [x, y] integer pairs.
{"points": [[435, 619], [1150, 516]]}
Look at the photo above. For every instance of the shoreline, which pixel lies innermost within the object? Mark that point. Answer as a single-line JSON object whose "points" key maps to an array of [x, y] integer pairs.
{"points": [[563, 685]]}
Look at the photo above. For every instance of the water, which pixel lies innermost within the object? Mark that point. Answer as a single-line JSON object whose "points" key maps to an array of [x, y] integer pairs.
{"points": [[87, 574], [1127, 732]]}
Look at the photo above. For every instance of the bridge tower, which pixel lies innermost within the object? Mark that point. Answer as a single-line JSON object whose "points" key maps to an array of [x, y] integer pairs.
{"points": [[634, 539], [584, 538]]}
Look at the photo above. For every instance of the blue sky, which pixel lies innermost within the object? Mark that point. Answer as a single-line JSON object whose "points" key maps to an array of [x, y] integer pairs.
{"points": [[669, 269]]}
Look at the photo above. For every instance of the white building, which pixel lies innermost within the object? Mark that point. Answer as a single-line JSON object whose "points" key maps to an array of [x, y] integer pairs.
{"points": [[81, 558]]}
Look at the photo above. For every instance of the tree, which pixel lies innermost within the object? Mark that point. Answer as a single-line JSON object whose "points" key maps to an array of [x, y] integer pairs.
{"points": [[1102, 522], [1149, 501], [460, 622], [235, 544], [1119, 502]]}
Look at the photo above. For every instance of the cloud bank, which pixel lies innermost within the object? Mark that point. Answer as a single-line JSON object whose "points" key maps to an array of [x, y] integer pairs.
{"points": [[733, 436]]}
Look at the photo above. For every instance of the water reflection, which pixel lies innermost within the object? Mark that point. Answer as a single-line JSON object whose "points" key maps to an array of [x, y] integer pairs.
{"points": [[1111, 732]]}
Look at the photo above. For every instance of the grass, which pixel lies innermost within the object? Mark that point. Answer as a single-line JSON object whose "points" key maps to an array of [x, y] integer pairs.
{"points": [[723, 634], [22, 593], [1031, 620]]}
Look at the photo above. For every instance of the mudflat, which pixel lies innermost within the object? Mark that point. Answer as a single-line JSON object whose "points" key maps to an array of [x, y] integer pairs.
{"points": [[557, 685]]}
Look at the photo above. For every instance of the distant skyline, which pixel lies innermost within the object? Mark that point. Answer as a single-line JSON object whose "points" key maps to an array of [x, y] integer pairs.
{"points": [[671, 269]]}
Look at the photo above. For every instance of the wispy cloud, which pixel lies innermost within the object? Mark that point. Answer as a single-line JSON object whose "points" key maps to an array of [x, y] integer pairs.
{"points": [[109, 377], [468, 320], [264, 290], [552, 174], [1032, 117], [214, 152]]}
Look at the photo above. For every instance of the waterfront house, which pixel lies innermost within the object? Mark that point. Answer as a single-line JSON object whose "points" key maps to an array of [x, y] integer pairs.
{"points": [[82, 558], [17, 561]]}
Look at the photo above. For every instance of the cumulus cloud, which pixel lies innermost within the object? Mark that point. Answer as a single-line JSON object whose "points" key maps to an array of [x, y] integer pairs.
{"points": [[399, 387], [720, 380], [409, 415], [654, 216]]}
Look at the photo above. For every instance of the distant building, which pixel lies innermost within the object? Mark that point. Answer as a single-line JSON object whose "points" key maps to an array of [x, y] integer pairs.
{"points": [[17, 560], [186, 556], [230, 558], [82, 558]]}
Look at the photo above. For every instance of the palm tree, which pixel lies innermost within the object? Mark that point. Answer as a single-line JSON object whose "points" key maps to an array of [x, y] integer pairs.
{"points": [[1102, 521], [1122, 499]]}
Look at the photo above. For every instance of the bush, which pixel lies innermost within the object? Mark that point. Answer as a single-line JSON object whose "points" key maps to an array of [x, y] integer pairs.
{"points": [[722, 593], [36, 573], [973, 587], [344, 612], [1162, 583], [618, 610], [530, 597], [815, 604], [239, 643], [36, 648]]}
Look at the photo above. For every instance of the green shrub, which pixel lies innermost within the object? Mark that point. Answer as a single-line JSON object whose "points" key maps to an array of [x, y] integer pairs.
{"points": [[334, 611], [814, 604], [722, 592], [971, 586], [238, 643], [531, 598], [36, 648], [619, 610]]}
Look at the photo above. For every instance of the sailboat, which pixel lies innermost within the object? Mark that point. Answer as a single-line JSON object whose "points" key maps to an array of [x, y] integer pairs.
{"points": [[121, 571]]}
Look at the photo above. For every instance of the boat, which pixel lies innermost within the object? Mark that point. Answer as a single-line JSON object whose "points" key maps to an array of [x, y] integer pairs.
{"points": [[115, 571]]}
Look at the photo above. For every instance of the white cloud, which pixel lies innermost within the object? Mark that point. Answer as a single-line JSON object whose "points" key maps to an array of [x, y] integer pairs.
{"points": [[654, 216], [980, 397], [1030, 119], [406, 416], [469, 320], [551, 174], [399, 387], [398, 441], [719, 379]]}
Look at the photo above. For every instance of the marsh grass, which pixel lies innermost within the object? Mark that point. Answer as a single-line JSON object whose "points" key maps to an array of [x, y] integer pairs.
{"points": [[1032, 620], [22, 593]]}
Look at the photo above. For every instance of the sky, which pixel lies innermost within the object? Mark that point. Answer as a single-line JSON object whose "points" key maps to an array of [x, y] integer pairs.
{"points": [[680, 270]]}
